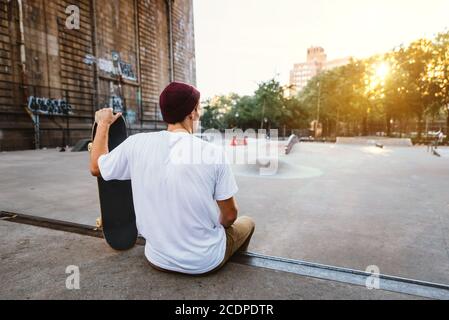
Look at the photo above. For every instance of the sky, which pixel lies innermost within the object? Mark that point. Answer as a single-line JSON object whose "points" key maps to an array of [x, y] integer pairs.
{"points": [[240, 43]]}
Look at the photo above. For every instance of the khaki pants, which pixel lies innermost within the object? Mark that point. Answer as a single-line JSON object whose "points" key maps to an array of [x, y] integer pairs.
{"points": [[238, 237]]}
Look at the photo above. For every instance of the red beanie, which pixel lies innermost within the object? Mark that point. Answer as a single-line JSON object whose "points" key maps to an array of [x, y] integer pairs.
{"points": [[177, 101]]}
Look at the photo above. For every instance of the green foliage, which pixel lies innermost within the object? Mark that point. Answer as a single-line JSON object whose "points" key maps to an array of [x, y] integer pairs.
{"points": [[267, 108], [405, 85]]}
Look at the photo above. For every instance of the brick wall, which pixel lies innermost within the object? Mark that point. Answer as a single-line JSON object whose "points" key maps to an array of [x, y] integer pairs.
{"points": [[183, 41], [78, 67]]}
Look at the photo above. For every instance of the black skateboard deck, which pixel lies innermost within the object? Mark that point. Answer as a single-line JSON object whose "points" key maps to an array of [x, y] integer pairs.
{"points": [[118, 218]]}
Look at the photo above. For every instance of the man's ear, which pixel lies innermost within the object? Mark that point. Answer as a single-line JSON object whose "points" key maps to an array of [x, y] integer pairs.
{"points": [[194, 112]]}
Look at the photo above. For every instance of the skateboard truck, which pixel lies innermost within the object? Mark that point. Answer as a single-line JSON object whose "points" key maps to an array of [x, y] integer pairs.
{"points": [[98, 223]]}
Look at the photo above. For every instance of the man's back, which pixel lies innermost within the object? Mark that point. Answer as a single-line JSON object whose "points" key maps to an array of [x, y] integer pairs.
{"points": [[176, 179]]}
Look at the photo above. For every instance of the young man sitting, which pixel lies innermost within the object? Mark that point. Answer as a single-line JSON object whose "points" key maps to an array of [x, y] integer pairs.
{"points": [[183, 188]]}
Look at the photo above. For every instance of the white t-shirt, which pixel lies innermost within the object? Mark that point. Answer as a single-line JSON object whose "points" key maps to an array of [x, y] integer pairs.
{"points": [[176, 180]]}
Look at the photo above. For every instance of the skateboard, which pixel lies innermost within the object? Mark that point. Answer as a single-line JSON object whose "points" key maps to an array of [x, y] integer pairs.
{"points": [[118, 219]]}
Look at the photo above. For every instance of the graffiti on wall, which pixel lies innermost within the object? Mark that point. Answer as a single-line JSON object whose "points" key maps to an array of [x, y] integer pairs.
{"points": [[116, 66], [106, 66], [49, 106], [118, 105], [126, 70]]}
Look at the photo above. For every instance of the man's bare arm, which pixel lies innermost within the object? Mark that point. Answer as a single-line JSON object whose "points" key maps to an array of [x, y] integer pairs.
{"points": [[104, 119], [99, 148], [228, 212]]}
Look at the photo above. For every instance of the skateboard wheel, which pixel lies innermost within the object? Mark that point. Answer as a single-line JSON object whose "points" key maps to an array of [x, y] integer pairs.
{"points": [[98, 223], [89, 147]]}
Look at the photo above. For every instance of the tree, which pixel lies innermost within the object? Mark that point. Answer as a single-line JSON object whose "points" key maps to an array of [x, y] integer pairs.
{"points": [[211, 118], [269, 98], [216, 111], [295, 116], [437, 75], [249, 112], [413, 62], [406, 83], [244, 113], [339, 94]]}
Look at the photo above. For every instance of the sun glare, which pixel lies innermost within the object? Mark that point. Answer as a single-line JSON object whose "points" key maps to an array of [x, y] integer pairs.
{"points": [[382, 71]]}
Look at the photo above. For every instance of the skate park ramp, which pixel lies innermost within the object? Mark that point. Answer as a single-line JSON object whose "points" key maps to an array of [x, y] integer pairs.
{"points": [[381, 141], [281, 168], [277, 165]]}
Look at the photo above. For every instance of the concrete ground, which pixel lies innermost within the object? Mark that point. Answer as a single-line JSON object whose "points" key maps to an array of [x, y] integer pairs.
{"points": [[344, 205], [34, 261], [385, 207]]}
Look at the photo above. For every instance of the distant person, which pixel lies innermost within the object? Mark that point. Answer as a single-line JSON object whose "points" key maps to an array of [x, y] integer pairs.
{"points": [[439, 138], [184, 203]]}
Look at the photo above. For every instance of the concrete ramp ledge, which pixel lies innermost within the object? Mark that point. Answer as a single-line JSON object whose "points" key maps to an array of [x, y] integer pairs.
{"points": [[307, 270], [398, 142]]}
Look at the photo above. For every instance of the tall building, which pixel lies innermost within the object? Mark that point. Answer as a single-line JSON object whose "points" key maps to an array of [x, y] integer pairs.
{"points": [[62, 60], [316, 63]]}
